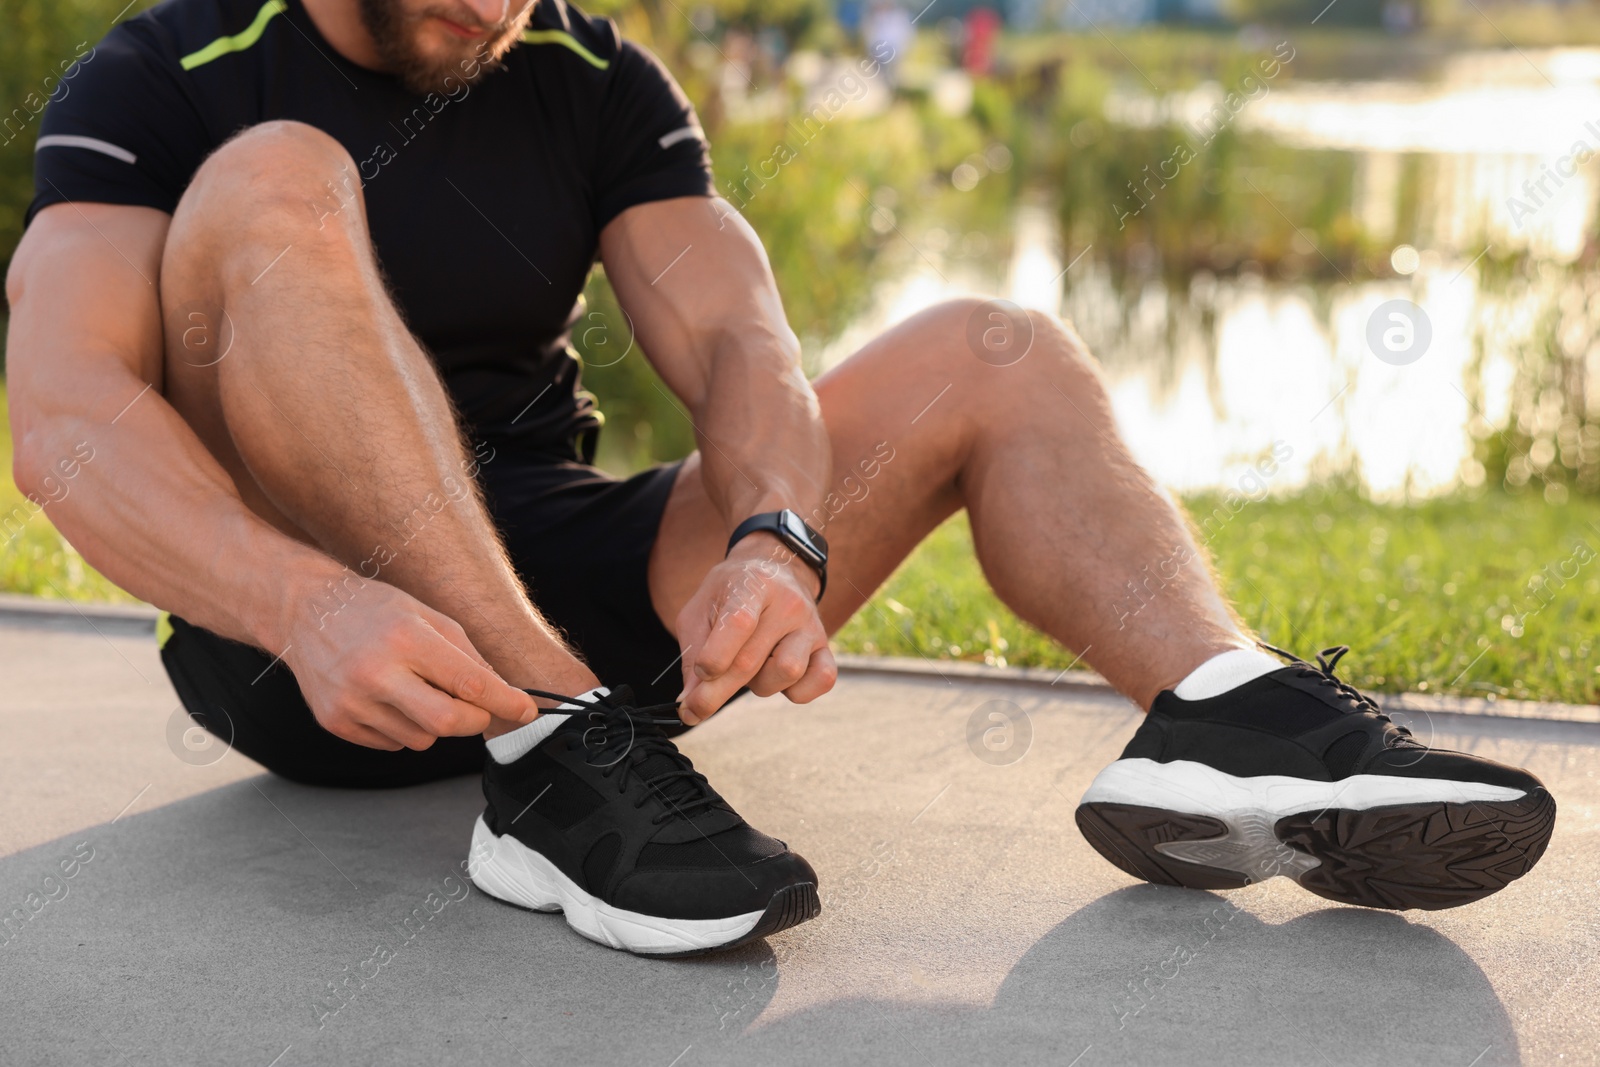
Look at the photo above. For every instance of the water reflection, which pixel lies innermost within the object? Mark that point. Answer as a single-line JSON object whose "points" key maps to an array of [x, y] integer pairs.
{"points": [[1502, 142], [1206, 380], [1207, 372]]}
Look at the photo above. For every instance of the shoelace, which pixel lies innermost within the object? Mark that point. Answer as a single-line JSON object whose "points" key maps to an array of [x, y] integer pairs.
{"points": [[1323, 671], [641, 751]]}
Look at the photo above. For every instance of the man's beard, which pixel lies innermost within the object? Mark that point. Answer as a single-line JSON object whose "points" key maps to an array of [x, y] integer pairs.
{"points": [[394, 31]]}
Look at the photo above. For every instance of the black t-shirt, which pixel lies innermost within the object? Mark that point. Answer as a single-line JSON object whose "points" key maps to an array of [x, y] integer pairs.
{"points": [[485, 203]]}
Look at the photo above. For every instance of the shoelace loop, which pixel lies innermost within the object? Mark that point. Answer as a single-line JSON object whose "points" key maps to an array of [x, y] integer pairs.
{"points": [[1323, 672], [633, 734]]}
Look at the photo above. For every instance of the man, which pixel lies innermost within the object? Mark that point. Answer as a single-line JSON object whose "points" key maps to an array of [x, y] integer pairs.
{"points": [[299, 281]]}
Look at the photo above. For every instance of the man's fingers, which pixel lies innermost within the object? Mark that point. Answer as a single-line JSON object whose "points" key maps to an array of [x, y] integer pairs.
{"points": [[435, 711], [821, 673], [731, 629], [440, 663], [704, 697], [711, 693], [732, 635], [367, 737], [692, 630], [786, 666], [394, 726]]}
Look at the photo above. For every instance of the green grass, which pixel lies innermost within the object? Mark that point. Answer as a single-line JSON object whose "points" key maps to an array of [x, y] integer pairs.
{"points": [[1443, 597], [34, 557], [1428, 595]]}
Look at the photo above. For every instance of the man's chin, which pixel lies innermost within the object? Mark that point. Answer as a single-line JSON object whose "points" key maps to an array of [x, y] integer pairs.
{"points": [[444, 73], [443, 66]]}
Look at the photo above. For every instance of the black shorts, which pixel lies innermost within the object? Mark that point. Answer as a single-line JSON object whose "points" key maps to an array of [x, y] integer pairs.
{"points": [[579, 538]]}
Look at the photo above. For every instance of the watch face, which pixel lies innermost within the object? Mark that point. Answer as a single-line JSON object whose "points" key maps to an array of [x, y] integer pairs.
{"points": [[804, 540], [796, 526]]}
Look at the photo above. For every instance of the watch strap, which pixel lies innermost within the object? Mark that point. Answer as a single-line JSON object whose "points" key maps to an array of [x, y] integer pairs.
{"points": [[772, 522]]}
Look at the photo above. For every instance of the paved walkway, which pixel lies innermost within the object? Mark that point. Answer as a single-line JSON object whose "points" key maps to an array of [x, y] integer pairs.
{"points": [[966, 921]]}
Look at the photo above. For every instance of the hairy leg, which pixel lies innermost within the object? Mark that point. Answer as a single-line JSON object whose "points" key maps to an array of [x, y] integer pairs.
{"points": [[287, 356], [1073, 535]]}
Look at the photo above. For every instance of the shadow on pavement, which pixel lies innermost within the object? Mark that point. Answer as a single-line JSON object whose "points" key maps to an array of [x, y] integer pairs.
{"points": [[268, 923], [1152, 975]]}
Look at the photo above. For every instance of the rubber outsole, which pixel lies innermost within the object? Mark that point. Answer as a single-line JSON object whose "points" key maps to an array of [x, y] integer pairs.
{"points": [[509, 871], [790, 906], [1421, 855]]}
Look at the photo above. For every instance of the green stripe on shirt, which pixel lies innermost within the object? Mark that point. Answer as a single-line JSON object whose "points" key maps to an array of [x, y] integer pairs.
{"points": [[566, 40], [163, 629], [239, 41]]}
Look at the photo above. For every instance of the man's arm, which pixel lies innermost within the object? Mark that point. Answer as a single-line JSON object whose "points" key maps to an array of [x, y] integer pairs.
{"points": [[696, 283], [137, 493], [85, 378]]}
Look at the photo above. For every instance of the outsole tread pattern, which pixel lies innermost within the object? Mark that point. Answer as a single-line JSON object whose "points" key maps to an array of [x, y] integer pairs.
{"points": [[1127, 835], [1427, 856]]}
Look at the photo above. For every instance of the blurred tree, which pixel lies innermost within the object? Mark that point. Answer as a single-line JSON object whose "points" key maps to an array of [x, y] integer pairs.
{"points": [[1300, 12], [41, 39]]}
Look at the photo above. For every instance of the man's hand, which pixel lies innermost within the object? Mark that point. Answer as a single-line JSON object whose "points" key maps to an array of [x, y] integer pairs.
{"points": [[698, 288], [753, 622], [387, 671]]}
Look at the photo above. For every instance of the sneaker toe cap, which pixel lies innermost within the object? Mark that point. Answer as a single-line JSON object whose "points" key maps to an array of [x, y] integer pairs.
{"points": [[1454, 766], [711, 892]]}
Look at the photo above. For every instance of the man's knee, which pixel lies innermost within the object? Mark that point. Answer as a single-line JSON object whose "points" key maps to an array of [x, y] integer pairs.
{"points": [[274, 183], [276, 186], [1001, 344], [283, 162]]}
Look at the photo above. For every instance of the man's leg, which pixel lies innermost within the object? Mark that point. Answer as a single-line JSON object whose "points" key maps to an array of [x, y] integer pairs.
{"points": [[287, 356], [1072, 534], [334, 425], [1287, 771]]}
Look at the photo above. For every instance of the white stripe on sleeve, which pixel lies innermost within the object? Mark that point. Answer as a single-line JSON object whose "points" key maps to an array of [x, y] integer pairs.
{"points": [[682, 133], [93, 144]]}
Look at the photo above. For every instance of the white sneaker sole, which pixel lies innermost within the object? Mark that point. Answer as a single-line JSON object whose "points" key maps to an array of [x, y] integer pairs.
{"points": [[1374, 840], [508, 870]]}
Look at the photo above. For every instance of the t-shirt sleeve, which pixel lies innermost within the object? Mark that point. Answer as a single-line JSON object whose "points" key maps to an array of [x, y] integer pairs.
{"points": [[120, 127], [651, 145]]}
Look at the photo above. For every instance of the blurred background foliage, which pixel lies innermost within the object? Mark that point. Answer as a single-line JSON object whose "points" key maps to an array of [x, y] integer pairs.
{"points": [[38, 36], [934, 165]]}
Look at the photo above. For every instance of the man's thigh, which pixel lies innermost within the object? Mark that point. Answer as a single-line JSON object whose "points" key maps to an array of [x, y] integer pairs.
{"points": [[899, 423]]}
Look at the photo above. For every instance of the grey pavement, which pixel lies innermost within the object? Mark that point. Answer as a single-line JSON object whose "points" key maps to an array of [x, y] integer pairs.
{"points": [[212, 908]]}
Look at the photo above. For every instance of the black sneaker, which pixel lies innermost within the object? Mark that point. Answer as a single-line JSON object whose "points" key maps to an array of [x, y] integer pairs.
{"points": [[606, 821], [1298, 774]]}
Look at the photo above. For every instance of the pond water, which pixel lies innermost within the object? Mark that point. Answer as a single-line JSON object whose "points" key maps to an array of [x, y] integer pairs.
{"points": [[1492, 158]]}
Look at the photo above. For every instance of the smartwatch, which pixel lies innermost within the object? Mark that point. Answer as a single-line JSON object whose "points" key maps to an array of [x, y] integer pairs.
{"points": [[796, 536]]}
